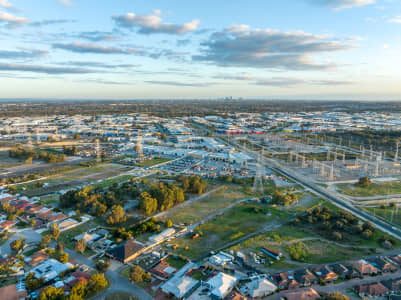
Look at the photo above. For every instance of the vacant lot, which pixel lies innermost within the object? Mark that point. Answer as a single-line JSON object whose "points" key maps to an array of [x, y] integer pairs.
{"points": [[318, 249], [214, 202], [67, 237], [375, 189], [152, 162], [69, 179], [236, 223]]}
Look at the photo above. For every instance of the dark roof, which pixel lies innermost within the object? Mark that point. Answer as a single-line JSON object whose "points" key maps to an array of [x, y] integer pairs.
{"points": [[126, 249], [393, 284]]}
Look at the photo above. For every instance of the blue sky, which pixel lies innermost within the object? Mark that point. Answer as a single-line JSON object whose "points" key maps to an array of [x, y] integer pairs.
{"points": [[124, 49]]}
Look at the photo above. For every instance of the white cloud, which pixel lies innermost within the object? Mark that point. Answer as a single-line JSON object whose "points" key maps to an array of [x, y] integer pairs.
{"points": [[90, 48], [149, 24], [5, 4], [239, 28], [395, 20], [11, 20], [157, 12], [66, 3], [279, 81], [342, 4], [241, 46]]}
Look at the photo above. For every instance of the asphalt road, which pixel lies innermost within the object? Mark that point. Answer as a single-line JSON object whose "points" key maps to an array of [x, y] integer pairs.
{"points": [[29, 235], [344, 204], [338, 201], [118, 283]]}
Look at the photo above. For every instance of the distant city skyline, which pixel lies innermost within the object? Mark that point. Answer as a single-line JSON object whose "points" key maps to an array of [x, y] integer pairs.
{"points": [[289, 49]]}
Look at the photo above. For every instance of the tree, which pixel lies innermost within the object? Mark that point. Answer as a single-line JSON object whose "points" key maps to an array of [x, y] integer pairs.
{"points": [[80, 246], [17, 245], [136, 274], [299, 252], [51, 293], [169, 223], [60, 248], [148, 204], [33, 283], [117, 215], [78, 291], [28, 161], [77, 136], [11, 217], [45, 241], [364, 182], [367, 234], [336, 296], [32, 223], [63, 258], [55, 231], [97, 282], [102, 266]]}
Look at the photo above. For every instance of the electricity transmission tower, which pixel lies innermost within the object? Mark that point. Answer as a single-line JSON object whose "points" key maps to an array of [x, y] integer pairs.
{"points": [[260, 174]]}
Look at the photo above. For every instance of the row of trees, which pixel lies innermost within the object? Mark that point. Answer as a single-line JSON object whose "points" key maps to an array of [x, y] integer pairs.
{"points": [[80, 291], [30, 154]]}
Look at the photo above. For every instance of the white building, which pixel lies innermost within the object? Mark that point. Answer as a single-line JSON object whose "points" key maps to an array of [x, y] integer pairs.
{"points": [[221, 285]]}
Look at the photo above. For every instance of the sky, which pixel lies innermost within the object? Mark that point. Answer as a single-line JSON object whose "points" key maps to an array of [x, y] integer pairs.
{"points": [[159, 49]]}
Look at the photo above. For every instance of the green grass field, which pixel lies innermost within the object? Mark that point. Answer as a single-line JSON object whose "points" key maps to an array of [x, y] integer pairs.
{"points": [[67, 237], [388, 214], [209, 205], [375, 189], [152, 162], [238, 222], [319, 251], [75, 177]]}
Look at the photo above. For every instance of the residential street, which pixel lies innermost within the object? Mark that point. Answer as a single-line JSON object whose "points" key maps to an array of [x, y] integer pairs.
{"points": [[119, 283], [343, 287]]}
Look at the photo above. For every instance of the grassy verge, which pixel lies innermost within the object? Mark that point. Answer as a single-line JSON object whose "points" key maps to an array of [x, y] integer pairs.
{"points": [[388, 214], [375, 189]]}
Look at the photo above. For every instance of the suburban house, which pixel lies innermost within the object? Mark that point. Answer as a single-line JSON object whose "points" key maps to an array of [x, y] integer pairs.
{"points": [[11, 292], [259, 287], [345, 271], [382, 265], [375, 289], [285, 281], [393, 285], [307, 294], [325, 273], [364, 268], [221, 285], [163, 270], [126, 251], [305, 277]]}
